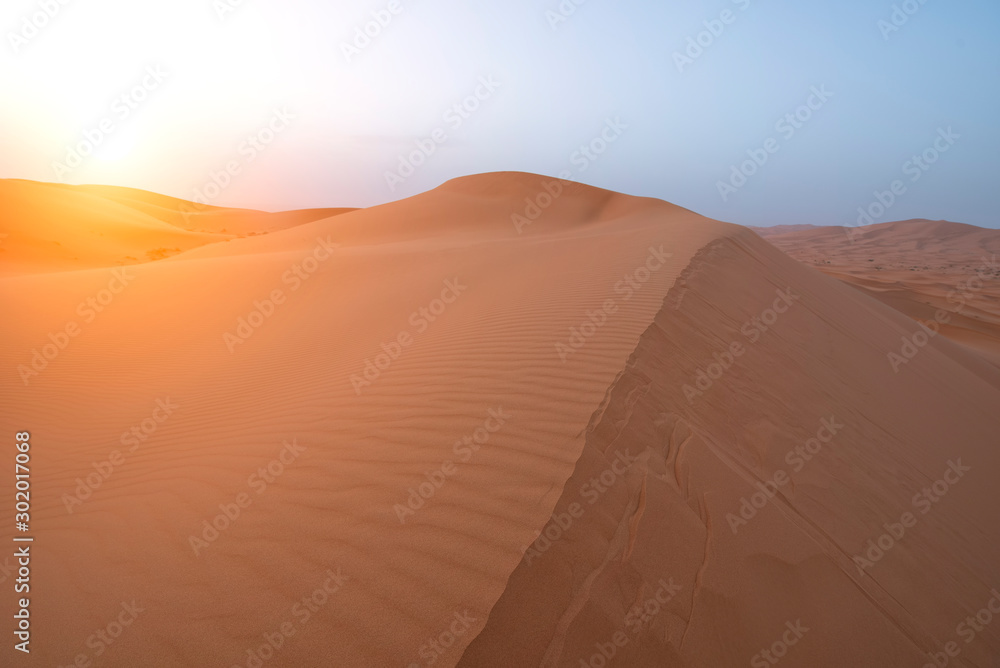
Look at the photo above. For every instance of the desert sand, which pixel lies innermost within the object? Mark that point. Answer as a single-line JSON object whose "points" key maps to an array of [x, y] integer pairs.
{"points": [[509, 422], [916, 266]]}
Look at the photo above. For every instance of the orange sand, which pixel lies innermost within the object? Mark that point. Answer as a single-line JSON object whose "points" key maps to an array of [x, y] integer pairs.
{"points": [[429, 345]]}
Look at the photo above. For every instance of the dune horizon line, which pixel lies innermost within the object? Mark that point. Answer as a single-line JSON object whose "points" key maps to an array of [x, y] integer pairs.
{"points": [[203, 205]]}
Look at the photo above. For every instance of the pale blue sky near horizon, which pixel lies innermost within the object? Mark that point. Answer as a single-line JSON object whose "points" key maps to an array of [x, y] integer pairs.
{"points": [[932, 84]]}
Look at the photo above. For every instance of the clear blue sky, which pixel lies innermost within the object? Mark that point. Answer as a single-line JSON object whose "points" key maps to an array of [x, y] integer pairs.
{"points": [[560, 82]]}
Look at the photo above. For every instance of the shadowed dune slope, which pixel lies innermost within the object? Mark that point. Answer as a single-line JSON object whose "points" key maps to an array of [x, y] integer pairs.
{"points": [[668, 566]]}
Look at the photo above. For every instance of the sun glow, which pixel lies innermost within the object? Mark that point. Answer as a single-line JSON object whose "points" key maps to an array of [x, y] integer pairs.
{"points": [[120, 75]]}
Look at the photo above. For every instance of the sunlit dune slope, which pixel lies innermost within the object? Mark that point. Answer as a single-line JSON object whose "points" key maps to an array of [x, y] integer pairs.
{"points": [[52, 227], [390, 342], [205, 217]]}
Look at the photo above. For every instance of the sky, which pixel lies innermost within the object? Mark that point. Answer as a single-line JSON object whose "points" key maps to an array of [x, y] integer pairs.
{"points": [[753, 112]]}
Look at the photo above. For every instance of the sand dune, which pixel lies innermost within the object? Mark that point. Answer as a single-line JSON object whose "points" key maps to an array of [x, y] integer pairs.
{"points": [[53, 227], [919, 267], [385, 413], [742, 573]]}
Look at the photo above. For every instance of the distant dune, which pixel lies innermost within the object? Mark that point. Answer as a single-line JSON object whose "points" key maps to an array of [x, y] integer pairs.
{"points": [[54, 227], [781, 229], [916, 266], [509, 422]]}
